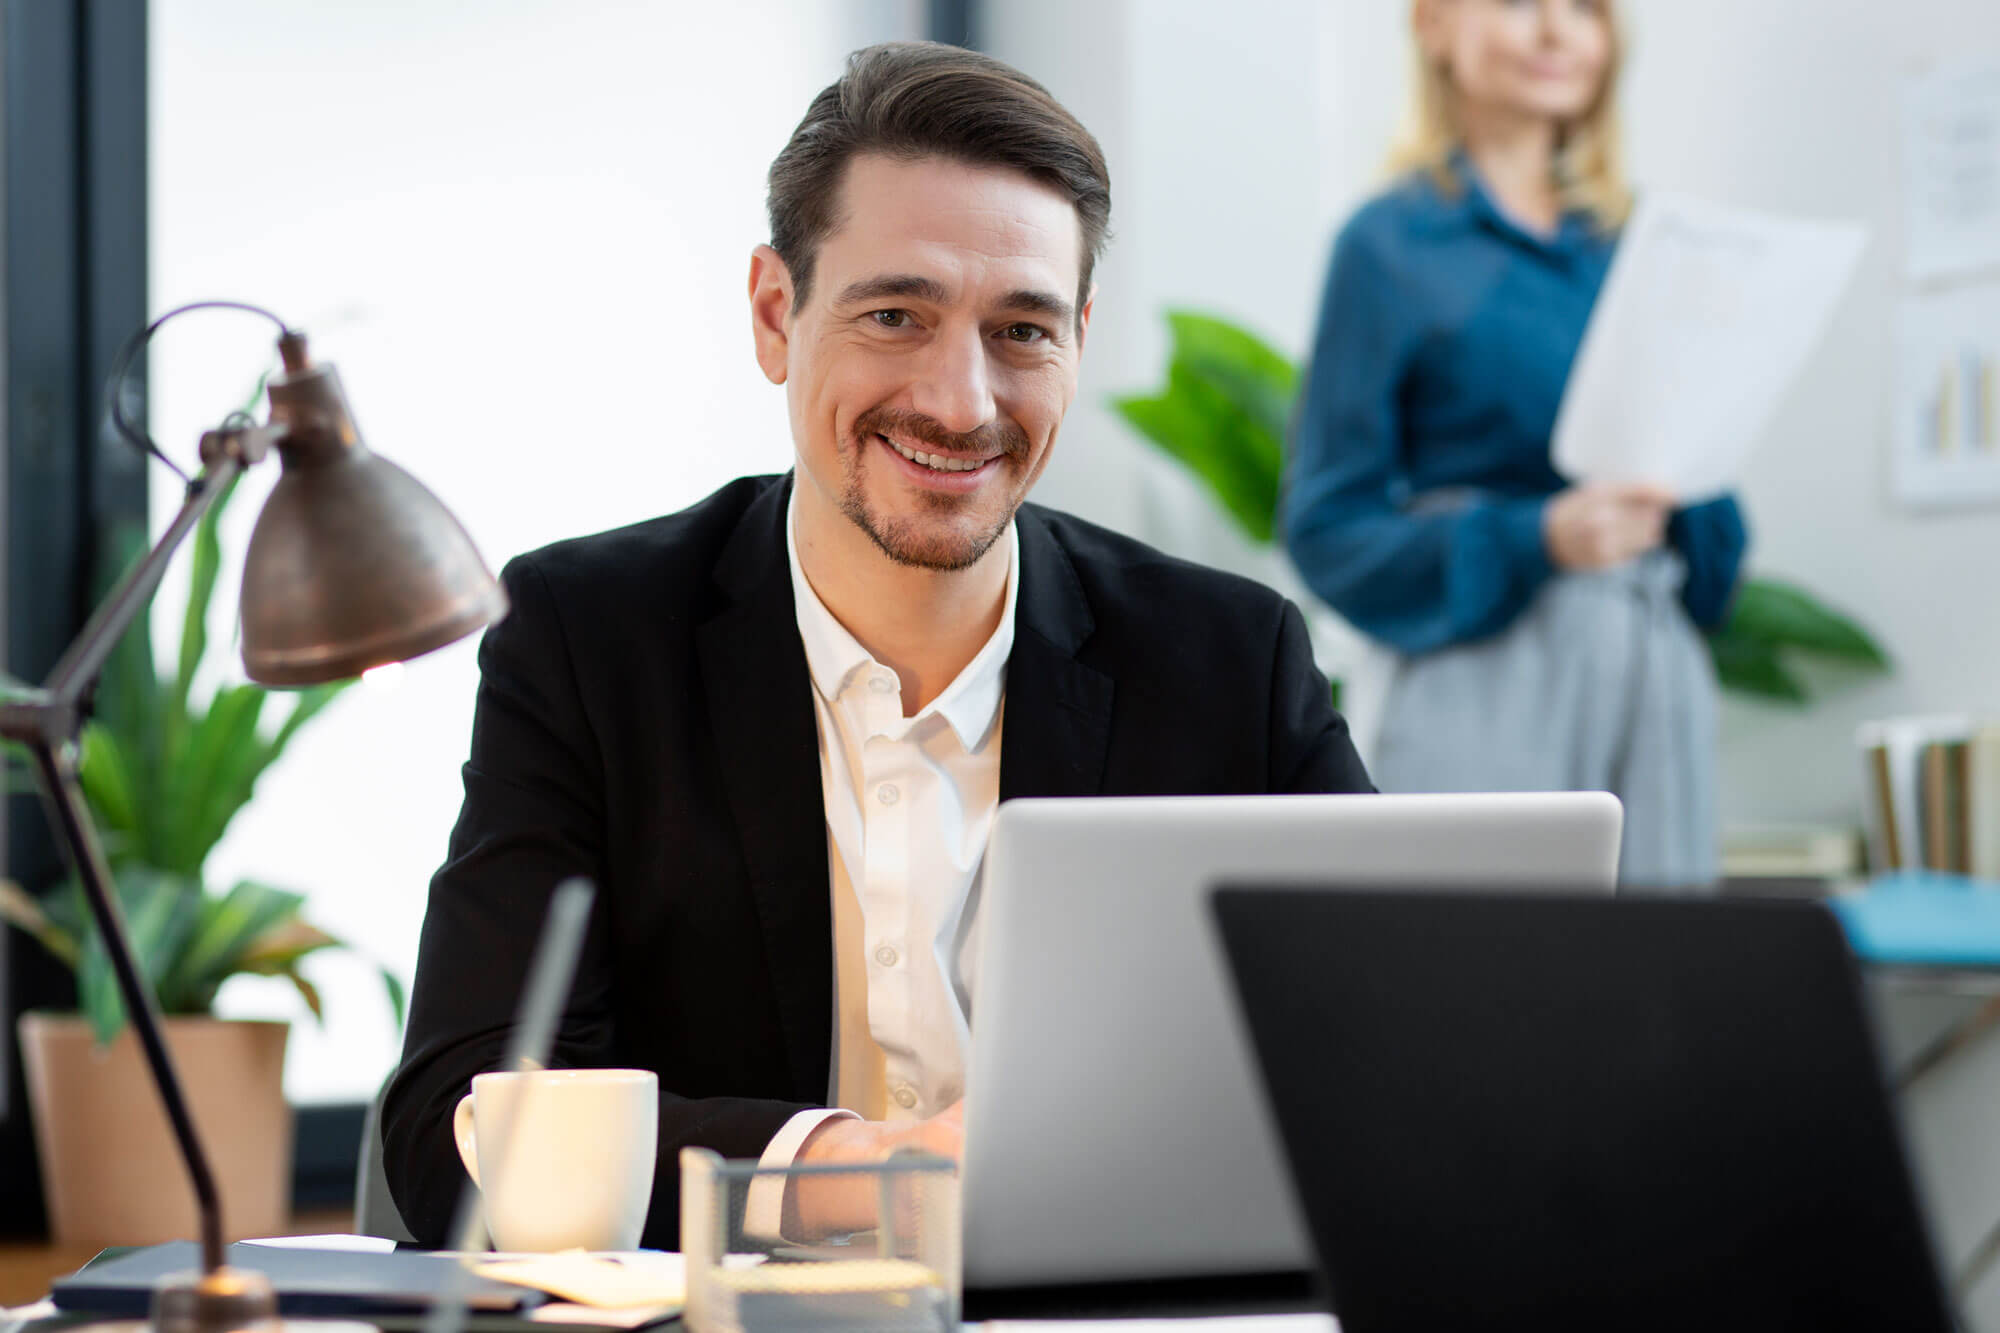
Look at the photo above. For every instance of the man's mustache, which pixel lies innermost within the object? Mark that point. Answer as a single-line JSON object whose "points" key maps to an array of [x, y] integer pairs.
{"points": [[995, 437]]}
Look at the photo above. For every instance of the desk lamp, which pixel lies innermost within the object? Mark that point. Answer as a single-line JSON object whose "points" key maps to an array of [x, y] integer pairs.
{"points": [[353, 564]]}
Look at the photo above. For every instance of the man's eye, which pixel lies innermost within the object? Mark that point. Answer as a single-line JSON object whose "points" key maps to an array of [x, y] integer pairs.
{"points": [[1024, 333], [890, 319]]}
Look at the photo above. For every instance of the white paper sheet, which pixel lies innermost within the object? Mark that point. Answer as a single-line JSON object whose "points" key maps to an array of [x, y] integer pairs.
{"points": [[612, 1281], [42, 1309], [1706, 316], [328, 1241], [1951, 170]]}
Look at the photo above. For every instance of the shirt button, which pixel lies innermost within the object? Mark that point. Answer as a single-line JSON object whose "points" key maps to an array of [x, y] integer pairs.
{"points": [[887, 793], [886, 955], [905, 1095], [881, 684]]}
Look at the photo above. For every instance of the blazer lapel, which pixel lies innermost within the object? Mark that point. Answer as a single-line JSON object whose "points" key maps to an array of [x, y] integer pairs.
{"points": [[759, 697], [1057, 728]]}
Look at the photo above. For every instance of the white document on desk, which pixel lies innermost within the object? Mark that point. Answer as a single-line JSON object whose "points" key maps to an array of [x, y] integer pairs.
{"points": [[1705, 318]]}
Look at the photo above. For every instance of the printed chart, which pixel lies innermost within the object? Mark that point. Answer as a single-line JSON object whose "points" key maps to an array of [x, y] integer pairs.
{"points": [[1948, 396]]}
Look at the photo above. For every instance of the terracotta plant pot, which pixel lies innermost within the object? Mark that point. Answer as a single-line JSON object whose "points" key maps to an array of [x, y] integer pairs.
{"points": [[109, 1165]]}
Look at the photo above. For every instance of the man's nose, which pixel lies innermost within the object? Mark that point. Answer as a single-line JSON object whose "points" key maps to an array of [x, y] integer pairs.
{"points": [[952, 387]]}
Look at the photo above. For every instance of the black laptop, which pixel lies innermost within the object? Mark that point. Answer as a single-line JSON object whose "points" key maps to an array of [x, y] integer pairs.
{"points": [[1551, 1114]]}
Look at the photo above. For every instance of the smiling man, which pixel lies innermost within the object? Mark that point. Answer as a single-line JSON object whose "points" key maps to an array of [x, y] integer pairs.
{"points": [[775, 727]]}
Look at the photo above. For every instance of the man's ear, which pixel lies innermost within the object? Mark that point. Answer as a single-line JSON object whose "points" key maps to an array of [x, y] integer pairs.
{"points": [[771, 312], [1083, 318]]}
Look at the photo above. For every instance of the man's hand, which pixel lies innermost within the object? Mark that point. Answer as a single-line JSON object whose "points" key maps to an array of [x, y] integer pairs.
{"points": [[833, 1205], [1600, 524]]}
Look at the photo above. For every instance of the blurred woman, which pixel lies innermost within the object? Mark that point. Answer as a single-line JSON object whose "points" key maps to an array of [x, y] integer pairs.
{"points": [[1545, 634]]}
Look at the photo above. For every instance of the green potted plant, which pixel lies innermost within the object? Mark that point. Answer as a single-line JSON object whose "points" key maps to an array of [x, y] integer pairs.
{"points": [[1223, 414], [165, 775]]}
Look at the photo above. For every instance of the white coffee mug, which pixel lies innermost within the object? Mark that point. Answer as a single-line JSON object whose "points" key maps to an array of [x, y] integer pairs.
{"points": [[563, 1158]]}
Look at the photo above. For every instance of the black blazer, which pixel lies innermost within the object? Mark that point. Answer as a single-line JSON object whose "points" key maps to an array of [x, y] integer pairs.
{"points": [[645, 718]]}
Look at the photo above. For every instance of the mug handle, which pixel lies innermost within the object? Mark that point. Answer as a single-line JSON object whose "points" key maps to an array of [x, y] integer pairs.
{"points": [[461, 1129]]}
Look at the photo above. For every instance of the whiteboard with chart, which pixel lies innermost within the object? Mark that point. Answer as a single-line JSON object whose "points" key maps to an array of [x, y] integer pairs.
{"points": [[1947, 429]]}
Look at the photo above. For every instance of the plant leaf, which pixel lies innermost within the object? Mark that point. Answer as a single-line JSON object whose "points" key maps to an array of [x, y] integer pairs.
{"points": [[201, 590], [283, 945], [19, 909], [309, 703], [160, 912], [107, 779], [1223, 414], [1787, 616], [1752, 666], [398, 1002], [244, 762], [201, 799], [128, 672], [1248, 371], [307, 992], [65, 909], [1195, 422], [230, 929]]}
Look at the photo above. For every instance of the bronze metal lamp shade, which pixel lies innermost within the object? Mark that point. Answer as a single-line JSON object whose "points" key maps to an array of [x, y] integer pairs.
{"points": [[353, 562]]}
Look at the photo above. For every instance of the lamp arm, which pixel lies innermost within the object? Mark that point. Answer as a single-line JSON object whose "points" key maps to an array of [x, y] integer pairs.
{"points": [[47, 722], [57, 765], [79, 666]]}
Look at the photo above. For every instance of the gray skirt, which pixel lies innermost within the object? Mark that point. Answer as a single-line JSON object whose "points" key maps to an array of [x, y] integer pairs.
{"points": [[1601, 684]]}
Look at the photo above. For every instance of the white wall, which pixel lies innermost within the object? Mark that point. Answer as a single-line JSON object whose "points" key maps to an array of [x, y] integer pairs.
{"points": [[521, 230], [1792, 106]]}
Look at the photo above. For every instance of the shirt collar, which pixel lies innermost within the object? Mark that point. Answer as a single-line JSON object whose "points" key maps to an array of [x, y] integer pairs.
{"points": [[1572, 229], [835, 658]]}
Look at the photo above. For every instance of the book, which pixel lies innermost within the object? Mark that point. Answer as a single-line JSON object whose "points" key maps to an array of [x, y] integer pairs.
{"points": [[1893, 751], [1982, 802], [1942, 803]]}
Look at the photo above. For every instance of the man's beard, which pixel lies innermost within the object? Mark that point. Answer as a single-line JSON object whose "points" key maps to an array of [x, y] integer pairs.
{"points": [[913, 542]]}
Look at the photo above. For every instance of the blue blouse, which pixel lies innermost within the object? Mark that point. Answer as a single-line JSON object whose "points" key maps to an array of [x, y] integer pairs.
{"points": [[1446, 334]]}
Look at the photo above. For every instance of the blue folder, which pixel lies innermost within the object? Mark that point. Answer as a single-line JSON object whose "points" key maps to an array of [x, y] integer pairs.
{"points": [[1923, 919]]}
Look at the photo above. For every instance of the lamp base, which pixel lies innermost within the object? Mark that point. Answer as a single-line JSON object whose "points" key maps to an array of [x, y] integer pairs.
{"points": [[228, 1300]]}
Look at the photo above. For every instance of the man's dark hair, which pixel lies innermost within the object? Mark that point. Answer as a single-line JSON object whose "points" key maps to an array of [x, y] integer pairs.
{"points": [[924, 99]]}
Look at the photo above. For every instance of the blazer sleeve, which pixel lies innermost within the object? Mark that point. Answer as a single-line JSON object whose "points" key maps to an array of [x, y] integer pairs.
{"points": [[533, 815], [1711, 538], [1415, 582], [1310, 748]]}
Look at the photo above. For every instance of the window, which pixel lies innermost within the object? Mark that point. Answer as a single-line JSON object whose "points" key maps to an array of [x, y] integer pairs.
{"points": [[522, 232]]}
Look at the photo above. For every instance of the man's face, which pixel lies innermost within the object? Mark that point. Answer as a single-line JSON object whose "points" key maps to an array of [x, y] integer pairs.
{"points": [[934, 356]]}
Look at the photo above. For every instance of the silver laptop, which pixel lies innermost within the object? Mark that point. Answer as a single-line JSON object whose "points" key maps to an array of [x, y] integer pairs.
{"points": [[1115, 1125]]}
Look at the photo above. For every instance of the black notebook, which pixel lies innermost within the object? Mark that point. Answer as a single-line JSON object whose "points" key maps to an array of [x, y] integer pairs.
{"points": [[310, 1283]]}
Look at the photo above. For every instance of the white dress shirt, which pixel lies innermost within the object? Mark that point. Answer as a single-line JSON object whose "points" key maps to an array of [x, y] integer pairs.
{"points": [[909, 804]]}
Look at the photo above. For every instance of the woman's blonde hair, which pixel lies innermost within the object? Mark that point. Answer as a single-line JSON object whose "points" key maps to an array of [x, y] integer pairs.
{"points": [[1589, 165]]}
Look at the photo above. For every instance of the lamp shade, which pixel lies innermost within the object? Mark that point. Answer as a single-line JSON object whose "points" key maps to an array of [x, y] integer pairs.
{"points": [[353, 562]]}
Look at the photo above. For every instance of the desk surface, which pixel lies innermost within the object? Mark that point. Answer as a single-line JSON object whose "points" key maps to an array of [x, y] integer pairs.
{"points": [[27, 1268]]}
